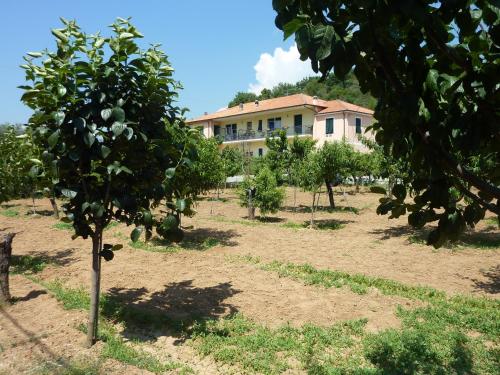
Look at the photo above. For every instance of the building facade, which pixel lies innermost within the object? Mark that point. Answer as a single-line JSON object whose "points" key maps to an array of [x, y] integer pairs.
{"points": [[247, 125]]}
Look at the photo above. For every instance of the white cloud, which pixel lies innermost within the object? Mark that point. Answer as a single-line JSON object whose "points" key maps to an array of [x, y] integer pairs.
{"points": [[281, 66]]}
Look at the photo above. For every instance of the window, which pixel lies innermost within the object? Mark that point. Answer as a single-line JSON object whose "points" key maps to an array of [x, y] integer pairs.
{"points": [[260, 126], [231, 131], [216, 130], [358, 125], [297, 124], [274, 123], [261, 151], [329, 125], [249, 126]]}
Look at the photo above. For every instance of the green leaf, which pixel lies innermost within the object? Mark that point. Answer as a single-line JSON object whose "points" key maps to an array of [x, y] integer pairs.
{"points": [[291, 27], [36, 161], [136, 233], [118, 114], [59, 117], [59, 35], [117, 247], [148, 218], [105, 151], [106, 113], [126, 36], [117, 128], [325, 47], [170, 172], [61, 90], [399, 192], [107, 254], [53, 139], [169, 223], [68, 193], [66, 220], [35, 54], [89, 139], [180, 204]]}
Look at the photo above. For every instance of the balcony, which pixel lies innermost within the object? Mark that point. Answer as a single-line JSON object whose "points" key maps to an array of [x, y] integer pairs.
{"points": [[245, 135]]}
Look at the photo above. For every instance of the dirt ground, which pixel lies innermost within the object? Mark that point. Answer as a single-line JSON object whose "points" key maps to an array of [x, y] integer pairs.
{"points": [[36, 329]]}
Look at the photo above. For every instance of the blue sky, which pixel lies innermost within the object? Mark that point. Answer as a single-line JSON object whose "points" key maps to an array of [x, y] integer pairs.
{"points": [[213, 45]]}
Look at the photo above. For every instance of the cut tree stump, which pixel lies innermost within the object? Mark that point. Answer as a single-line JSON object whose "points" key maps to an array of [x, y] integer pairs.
{"points": [[5, 255]]}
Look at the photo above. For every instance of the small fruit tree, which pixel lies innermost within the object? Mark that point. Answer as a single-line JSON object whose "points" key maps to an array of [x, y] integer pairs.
{"points": [[265, 193], [105, 118]]}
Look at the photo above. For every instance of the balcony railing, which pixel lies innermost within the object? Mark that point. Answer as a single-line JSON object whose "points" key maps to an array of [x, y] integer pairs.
{"points": [[244, 135]]}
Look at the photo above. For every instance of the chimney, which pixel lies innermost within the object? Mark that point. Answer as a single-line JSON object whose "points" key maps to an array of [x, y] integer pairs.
{"points": [[241, 106], [205, 113], [315, 100], [256, 103]]}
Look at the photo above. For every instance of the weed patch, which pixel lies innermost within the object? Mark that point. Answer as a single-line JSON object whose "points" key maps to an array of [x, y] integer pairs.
{"points": [[27, 264], [9, 213]]}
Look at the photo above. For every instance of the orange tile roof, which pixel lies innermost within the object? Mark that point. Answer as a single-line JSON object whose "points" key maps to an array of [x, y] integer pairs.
{"points": [[340, 105], [296, 100], [264, 105]]}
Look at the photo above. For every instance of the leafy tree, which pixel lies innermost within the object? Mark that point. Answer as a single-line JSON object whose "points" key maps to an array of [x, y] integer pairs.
{"points": [[300, 148], [15, 164], [333, 158], [311, 177], [209, 167], [233, 160], [433, 67], [268, 197], [278, 155], [242, 97], [105, 120]]}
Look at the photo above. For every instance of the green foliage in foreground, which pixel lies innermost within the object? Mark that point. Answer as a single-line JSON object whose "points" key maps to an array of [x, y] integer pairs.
{"points": [[433, 67]]}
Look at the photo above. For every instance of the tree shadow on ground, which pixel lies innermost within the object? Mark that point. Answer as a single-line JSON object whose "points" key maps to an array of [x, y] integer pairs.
{"points": [[395, 231], [31, 295], [492, 284], [270, 219], [9, 205], [171, 311], [331, 224], [478, 239], [36, 262], [307, 209], [195, 239], [29, 212]]}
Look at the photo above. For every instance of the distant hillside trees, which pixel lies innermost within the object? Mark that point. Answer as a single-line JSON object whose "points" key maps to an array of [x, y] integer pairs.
{"points": [[329, 89]]}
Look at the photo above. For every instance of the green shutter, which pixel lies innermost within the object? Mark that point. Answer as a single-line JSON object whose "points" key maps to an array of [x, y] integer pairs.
{"points": [[329, 126]]}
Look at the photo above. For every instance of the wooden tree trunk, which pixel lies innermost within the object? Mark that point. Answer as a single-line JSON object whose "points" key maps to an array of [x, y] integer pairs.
{"points": [[312, 210], [53, 203], [95, 284], [251, 208], [329, 187], [5, 255]]}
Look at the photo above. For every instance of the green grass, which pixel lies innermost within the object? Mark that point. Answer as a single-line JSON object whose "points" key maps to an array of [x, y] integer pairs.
{"points": [[27, 264], [69, 226], [493, 221], [63, 226], [222, 219], [9, 212], [321, 225], [157, 245]]}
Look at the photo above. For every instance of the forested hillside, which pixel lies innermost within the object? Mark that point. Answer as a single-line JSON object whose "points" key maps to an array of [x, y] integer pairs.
{"points": [[329, 89]]}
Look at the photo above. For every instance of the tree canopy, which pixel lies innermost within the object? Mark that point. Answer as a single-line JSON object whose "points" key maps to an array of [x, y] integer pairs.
{"points": [[433, 68], [106, 120]]}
